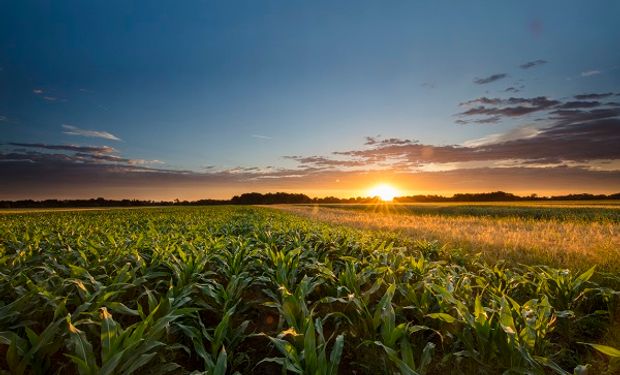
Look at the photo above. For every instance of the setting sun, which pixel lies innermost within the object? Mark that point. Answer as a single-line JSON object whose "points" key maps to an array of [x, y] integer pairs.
{"points": [[384, 191]]}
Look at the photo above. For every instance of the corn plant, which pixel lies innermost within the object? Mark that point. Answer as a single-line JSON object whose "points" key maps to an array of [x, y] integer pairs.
{"points": [[309, 357], [220, 290]]}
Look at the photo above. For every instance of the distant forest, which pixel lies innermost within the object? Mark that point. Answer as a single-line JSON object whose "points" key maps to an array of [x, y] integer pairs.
{"points": [[288, 198]]}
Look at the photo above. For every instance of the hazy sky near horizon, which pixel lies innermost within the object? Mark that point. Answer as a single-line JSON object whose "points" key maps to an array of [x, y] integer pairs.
{"points": [[192, 99]]}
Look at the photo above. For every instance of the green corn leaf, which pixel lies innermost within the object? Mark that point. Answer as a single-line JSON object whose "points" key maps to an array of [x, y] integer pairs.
{"points": [[139, 362], [336, 354], [310, 352], [443, 317], [585, 276], [108, 333], [393, 356], [607, 350], [120, 308], [406, 352], [220, 365], [427, 354], [505, 319], [111, 362], [84, 356]]}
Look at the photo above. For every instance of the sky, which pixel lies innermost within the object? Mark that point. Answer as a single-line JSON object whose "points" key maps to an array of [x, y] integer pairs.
{"points": [[207, 99]]}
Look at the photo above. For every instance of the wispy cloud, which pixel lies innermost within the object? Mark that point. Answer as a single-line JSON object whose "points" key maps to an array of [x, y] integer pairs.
{"points": [[531, 64], [589, 73], [486, 110], [521, 132], [74, 154], [580, 104], [511, 107], [47, 96], [489, 79], [486, 120], [594, 96], [117, 159], [388, 141], [76, 148], [74, 130], [258, 136]]}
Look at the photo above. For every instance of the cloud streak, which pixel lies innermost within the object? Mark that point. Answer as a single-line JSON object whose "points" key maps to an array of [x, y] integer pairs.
{"points": [[531, 64], [489, 79], [75, 148], [258, 136], [74, 130], [493, 110], [590, 73], [497, 108], [594, 96]]}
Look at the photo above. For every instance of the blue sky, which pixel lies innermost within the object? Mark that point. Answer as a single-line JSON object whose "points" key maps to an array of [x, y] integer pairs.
{"points": [[223, 85]]}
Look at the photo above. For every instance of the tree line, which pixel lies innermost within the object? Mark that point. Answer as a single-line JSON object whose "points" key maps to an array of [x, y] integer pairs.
{"points": [[291, 198]]}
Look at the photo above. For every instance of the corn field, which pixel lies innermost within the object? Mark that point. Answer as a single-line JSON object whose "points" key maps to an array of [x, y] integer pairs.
{"points": [[227, 290]]}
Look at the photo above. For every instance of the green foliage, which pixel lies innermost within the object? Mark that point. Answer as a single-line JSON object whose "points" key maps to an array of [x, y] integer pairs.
{"points": [[222, 290]]}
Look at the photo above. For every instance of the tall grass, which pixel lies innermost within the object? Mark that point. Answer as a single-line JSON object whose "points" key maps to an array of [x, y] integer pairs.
{"points": [[564, 241]]}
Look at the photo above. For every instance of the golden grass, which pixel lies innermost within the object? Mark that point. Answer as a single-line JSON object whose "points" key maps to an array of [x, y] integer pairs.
{"points": [[566, 244]]}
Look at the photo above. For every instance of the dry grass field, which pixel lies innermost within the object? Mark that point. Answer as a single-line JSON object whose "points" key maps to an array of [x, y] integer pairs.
{"points": [[561, 234]]}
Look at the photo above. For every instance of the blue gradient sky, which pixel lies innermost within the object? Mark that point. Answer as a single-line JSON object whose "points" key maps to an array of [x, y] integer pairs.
{"points": [[241, 84]]}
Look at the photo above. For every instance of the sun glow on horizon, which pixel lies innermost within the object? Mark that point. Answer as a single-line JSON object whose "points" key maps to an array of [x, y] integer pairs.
{"points": [[385, 192]]}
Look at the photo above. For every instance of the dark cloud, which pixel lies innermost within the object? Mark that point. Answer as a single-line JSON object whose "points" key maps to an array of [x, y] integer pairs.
{"points": [[35, 156], [512, 107], [321, 161], [593, 96], [579, 104], [75, 148], [512, 89], [103, 157], [541, 102], [113, 159], [531, 64], [497, 108], [482, 100], [489, 79], [82, 158], [388, 141], [572, 116], [568, 140], [486, 120]]}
